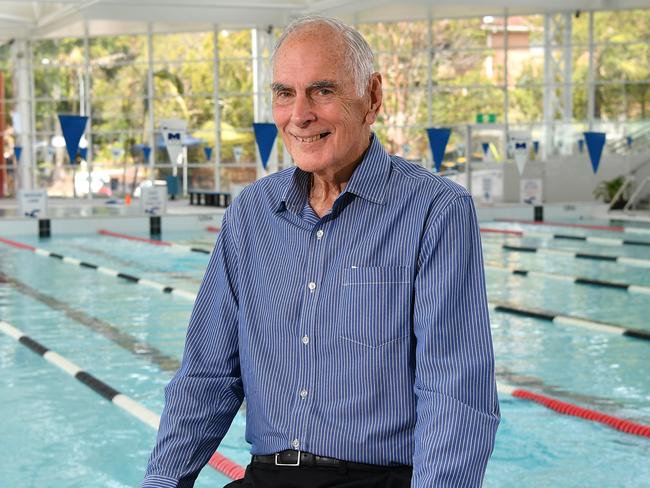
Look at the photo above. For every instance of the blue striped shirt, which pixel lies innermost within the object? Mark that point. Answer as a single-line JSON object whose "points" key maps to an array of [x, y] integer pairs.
{"points": [[362, 335]]}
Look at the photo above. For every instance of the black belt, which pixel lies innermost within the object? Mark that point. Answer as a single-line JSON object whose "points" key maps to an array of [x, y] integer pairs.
{"points": [[301, 458]]}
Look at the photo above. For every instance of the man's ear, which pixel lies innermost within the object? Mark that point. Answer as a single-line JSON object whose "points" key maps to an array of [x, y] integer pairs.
{"points": [[376, 98]]}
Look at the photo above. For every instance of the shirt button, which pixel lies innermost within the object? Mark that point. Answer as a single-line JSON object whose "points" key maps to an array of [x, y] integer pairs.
{"points": [[312, 286], [303, 394], [320, 233], [305, 340], [295, 443]]}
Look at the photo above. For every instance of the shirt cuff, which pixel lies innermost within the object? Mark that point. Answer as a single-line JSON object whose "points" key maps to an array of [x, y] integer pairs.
{"points": [[157, 481]]}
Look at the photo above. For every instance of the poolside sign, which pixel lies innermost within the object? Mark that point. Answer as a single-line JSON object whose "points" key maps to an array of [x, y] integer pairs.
{"points": [[595, 143], [173, 131], [73, 127], [153, 199], [33, 203], [265, 134], [438, 139]]}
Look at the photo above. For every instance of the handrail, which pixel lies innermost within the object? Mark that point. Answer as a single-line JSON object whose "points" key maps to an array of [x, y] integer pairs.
{"points": [[628, 181], [633, 197]]}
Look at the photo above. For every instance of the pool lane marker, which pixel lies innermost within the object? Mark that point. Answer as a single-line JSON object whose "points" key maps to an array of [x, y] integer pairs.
{"points": [[556, 318], [235, 471], [609, 228], [578, 280], [107, 271], [109, 233], [218, 461], [641, 263], [605, 241], [627, 426]]}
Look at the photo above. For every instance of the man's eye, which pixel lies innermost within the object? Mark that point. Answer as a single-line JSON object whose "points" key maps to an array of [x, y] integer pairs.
{"points": [[325, 91]]}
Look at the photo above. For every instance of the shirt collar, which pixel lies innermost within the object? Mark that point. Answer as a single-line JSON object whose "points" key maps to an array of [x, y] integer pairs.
{"points": [[368, 180]]}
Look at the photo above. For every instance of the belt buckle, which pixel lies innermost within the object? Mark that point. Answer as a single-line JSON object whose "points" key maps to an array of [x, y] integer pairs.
{"points": [[277, 463]]}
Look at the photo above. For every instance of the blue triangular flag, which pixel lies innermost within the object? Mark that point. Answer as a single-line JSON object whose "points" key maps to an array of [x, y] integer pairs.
{"points": [[265, 136], [581, 146], [18, 150], [208, 152], [628, 139], [73, 127], [486, 148], [438, 139], [595, 143], [83, 152], [536, 146], [146, 152]]}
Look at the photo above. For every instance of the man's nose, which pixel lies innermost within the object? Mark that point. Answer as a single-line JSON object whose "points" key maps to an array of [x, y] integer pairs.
{"points": [[302, 113]]}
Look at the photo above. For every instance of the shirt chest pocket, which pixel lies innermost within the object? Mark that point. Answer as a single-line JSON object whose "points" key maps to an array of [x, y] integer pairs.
{"points": [[375, 304]]}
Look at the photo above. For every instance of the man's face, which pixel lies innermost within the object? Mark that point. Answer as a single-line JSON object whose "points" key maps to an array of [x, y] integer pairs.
{"points": [[323, 123]]}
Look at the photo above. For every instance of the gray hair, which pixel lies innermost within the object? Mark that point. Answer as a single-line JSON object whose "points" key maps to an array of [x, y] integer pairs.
{"points": [[360, 59]]}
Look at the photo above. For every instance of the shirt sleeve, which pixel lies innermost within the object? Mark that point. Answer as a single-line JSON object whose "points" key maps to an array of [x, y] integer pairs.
{"points": [[204, 395], [457, 405]]}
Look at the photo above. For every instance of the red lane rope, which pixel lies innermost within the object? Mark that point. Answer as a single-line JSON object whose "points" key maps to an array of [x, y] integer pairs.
{"points": [[132, 238], [502, 231], [224, 465], [564, 224], [210, 228], [623, 425], [19, 245]]}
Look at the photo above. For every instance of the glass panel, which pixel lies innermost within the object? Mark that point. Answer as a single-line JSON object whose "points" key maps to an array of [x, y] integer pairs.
{"points": [[46, 113], [195, 78], [233, 140], [525, 66], [58, 82], [402, 70], [404, 107], [637, 97], [109, 51], [119, 115], [65, 51], [580, 101], [455, 106], [525, 31], [623, 62], [467, 33], [187, 46], [622, 26], [237, 111], [525, 104], [610, 104], [468, 67], [236, 76], [235, 44], [396, 37], [123, 80], [408, 142]]}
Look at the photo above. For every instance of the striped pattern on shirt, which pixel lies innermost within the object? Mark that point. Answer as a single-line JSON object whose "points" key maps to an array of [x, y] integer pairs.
{"points": [[362, 335]]}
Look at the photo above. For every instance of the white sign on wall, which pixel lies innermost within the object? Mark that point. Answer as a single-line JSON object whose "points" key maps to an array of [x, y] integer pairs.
{"points": [[153, 200], [33, 203], [530, 191]]}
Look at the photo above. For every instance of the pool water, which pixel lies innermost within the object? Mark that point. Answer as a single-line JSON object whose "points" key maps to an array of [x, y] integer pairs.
{"points": [[62, 434]]}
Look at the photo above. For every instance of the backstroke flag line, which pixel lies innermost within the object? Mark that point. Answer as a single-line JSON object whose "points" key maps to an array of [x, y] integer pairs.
{"points": [[207, 150], [173, 132], [438, 139], [265, 134], [146, 152], [73, 127], [18, 150], [595, 143]]}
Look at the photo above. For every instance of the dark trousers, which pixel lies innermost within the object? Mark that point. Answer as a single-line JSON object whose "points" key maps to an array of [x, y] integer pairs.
{"points": [[269, 476]]}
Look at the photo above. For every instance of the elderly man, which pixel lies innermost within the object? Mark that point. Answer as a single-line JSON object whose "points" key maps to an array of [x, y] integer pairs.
{"points": [[345, 300]]}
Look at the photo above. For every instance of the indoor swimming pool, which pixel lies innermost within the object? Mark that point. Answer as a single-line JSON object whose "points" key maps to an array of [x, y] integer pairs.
{"points": [[62, 434]]}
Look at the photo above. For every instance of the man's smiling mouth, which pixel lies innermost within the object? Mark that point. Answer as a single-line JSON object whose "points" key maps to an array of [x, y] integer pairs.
{"points": [[315, 138]]}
